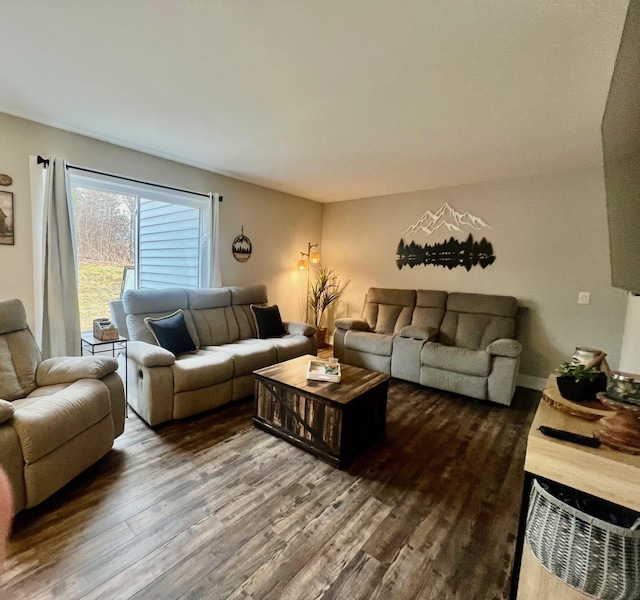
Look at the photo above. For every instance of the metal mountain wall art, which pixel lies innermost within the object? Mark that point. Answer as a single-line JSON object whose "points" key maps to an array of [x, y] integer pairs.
{"points": [[450, 252]]}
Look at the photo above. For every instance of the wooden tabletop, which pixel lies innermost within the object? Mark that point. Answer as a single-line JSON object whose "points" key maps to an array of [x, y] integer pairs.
{"points": [[293, 373], [603, 472]]}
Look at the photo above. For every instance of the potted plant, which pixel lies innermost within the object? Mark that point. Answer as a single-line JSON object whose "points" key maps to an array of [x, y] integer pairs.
{"points": [[580, 382], [323, 292]]}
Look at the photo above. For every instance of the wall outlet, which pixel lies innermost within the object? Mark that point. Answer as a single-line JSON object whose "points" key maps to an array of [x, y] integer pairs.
{"points": [[584, 297]]}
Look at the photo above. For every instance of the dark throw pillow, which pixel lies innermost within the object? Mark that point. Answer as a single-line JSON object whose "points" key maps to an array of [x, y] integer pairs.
{"points": [[171, 333], [268, 321]]}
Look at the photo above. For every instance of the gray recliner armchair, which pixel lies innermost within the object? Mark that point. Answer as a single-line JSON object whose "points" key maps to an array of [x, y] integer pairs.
{"points": [[57, 416]]}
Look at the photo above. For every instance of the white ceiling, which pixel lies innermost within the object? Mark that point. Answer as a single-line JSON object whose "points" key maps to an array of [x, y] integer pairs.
{"points": [[326, 99]]}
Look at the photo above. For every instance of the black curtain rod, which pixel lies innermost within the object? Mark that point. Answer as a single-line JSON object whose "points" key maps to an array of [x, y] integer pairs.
{"points": [[45, 162]]}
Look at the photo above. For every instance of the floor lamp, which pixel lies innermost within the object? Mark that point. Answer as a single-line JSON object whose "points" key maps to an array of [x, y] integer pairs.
{"points": [[304, 264]]}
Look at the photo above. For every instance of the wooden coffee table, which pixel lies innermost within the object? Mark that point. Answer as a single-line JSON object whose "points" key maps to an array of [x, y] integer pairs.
{"points": [[333, 421]]}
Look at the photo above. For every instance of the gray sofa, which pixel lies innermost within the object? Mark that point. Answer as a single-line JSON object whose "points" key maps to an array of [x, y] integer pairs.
{"points": [[457, 342], [57, 416], [162, 386]]}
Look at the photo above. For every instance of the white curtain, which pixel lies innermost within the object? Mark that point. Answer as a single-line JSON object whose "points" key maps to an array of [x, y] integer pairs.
{"points": [[60, 328], [38, 177], [216, 275]]}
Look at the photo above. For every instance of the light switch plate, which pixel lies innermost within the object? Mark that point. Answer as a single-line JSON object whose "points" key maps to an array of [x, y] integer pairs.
{"points": [[584, 297]]}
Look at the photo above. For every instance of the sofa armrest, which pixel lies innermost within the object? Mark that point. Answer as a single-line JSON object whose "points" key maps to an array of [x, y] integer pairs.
{"points": [[149, 355], [298, 328], [346, 323], [67, 369], [6, 411], [418, 332], [505, 347]]}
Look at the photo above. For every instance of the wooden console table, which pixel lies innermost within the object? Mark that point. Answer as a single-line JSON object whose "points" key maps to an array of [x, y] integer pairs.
{"points": [[601, 472]]}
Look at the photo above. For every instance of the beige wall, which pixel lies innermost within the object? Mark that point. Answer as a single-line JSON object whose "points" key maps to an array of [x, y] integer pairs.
{"points": [[549, 235], [278, 225]]}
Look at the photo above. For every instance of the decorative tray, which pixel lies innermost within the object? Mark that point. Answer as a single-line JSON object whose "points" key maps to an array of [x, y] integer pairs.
{"points": [[321, 370]]}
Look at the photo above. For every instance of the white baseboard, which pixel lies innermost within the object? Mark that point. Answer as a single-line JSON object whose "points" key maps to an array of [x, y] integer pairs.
{"points": [[531, 382]]}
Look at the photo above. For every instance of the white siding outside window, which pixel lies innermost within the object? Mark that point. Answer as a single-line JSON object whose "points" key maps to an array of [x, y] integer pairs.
{"points": [[168, 245]]}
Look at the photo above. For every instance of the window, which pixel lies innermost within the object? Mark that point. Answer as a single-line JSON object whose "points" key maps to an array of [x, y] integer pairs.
{"points": [[136, 235]]}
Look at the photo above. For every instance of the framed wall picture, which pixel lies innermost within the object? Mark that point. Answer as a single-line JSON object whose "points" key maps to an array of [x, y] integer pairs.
{"points": [[6, 219]]}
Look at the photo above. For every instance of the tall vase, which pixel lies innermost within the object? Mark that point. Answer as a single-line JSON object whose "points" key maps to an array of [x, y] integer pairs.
{"points": [[321, 336]]}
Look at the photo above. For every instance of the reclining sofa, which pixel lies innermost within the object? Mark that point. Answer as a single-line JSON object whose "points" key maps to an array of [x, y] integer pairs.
{"points": [[57, 416], [163, 386], [457, 342]]}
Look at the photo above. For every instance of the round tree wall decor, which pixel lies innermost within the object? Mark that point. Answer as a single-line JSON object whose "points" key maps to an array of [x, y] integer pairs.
{"points": [[241, 247]]}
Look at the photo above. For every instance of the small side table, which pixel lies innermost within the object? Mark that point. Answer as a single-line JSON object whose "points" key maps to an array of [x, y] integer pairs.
{"points": [[93, 346]]}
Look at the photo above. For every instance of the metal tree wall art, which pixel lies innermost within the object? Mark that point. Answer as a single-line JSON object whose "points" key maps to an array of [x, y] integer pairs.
{"points": [[241, 247], [450, 252]]}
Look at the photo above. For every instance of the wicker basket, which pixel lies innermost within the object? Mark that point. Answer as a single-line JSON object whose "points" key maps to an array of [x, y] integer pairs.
{"points": [[588, 554]]}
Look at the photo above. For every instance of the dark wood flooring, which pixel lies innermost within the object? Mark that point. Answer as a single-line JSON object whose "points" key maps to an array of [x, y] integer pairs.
{"points": [[213, 508]]}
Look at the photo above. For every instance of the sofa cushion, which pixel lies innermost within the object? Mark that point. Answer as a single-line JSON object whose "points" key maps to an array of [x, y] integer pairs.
{"points": [[458, 360], [475, 320], [208, 298], [250, 294], [418, 332], [171, 333], [291, 346], [241, 300], [429, 310], [488, 304], [387, 311], [19, 353], [138, 330], [139, 304], [48, 390], [166, 300], [19, 359], [458, 383], [13, 316], [199, 370], [371, 343], [268, 321], [248, 355], [405, 360], [388, 316], [215, 325], [212, 316], [44, 423]]}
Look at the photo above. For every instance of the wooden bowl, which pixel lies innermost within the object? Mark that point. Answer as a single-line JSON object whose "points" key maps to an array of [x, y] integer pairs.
{"points": [[621, 430]]}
